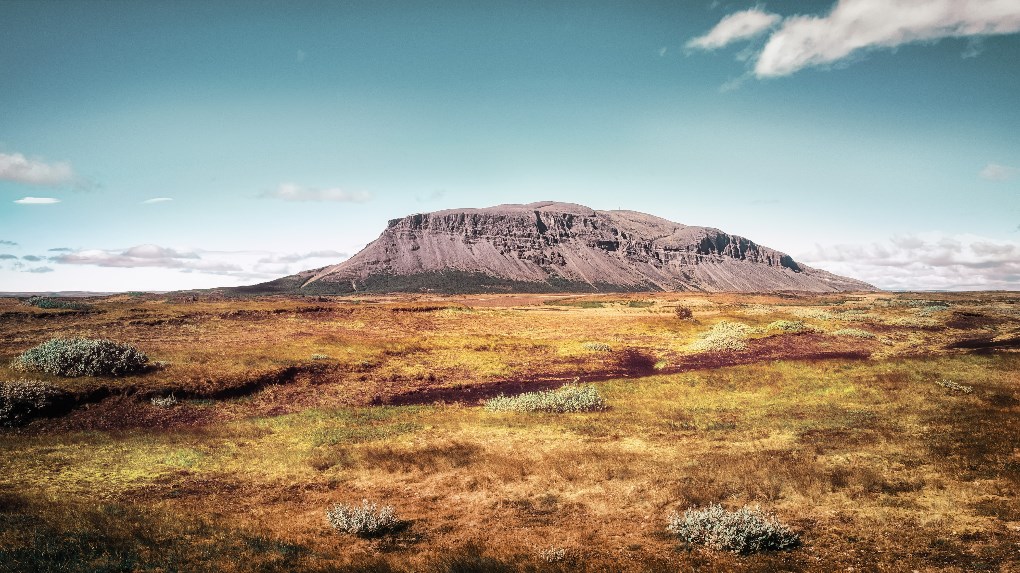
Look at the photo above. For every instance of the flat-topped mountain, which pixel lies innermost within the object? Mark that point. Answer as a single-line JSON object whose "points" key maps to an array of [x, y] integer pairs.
{"points": [[558, 247]]}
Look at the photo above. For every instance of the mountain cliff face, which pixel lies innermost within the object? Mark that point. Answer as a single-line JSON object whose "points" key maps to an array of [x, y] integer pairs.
{"points": [[547, 247]]}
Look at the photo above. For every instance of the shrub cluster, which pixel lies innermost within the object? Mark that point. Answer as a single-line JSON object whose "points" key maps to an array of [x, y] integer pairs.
{"points": [[955, 386], [789, 326], [82, 357], [44, 302], [723, 336], [597, 347], [683, 312], [366, 520], [853, 333], [745, 530], [21, 400], [569, 398], [320, 357], [164, 401]]}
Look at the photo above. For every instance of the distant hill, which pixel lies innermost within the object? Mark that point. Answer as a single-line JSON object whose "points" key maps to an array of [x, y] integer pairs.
{"points": [[557, 247]]}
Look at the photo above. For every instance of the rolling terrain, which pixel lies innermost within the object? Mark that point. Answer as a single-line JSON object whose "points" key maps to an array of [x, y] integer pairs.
{"points": [[881, 427]]}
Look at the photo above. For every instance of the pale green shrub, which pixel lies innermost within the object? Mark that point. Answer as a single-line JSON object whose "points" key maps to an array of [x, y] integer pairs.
{"points": [[320, 357], [164, 401], [955, 386], [20, 400], [44, 302], [723, 336], [853, 333], [569, 398], [72, 357], [745, 530], [790, 326], [367, 520], [596, 347]]}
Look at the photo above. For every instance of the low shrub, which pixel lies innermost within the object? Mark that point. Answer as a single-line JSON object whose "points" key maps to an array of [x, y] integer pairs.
{"points": [[745, 530], [44, 302], [73, 357], [789, 326], [366, 520], [21, 400], [853, 333], [955, 386], [723, 336], [569, 398], [597, 347], [164, 401], [553, 555], [683, 312], [320, 357]]}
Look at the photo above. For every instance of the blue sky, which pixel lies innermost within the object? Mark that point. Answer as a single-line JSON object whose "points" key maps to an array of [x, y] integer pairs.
{"points": [[167, 145]]}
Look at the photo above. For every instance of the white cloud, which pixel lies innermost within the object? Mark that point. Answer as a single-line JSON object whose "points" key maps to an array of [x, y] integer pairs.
{"points": [[37, 201], [39, 270], [929, 261], [17, 167], [295, 257], [157, 200], [856, 25], [736, 26], [996, 172], [9, 243], [145, 256], [293, 192]]}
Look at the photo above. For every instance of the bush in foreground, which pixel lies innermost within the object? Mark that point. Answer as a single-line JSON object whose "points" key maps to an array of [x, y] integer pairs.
{"points": [[722, 337], [71, 357], [788, 326], [44, 302], [569, 398], [366, 520], [853, 333], [21, 400], [745, 530]]}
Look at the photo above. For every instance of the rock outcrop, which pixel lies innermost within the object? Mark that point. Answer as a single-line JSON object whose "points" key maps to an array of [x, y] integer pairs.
{"points": [[548, 247]]}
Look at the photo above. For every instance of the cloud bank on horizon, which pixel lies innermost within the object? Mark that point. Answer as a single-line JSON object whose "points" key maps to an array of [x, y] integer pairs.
{"points": [[853, 27], [925, 261]]}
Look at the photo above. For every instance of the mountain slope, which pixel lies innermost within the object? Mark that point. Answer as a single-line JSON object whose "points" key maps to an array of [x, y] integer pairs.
{"points": [[548, 246]]}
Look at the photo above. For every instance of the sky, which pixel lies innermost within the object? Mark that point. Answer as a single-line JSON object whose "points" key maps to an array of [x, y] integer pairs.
{"points": [[171, 145]]}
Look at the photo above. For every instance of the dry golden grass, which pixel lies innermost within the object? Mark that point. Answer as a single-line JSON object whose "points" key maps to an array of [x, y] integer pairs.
{"points": [[850, 440]]}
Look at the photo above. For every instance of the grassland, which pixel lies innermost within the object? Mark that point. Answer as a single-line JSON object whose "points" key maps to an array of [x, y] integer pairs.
{"points": [[883, 428]]}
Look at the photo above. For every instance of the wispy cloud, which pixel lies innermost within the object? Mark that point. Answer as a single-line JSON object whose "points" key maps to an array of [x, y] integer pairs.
{"points": [[996, 172], [295, 257], [145, 256], [856, 26], [736, 26], [37, 201], [157, 200], [9, 243], [294, 192], [39, 270], [17, 167], [59, 249], [6, 256], [33, 258], [929, 261]]}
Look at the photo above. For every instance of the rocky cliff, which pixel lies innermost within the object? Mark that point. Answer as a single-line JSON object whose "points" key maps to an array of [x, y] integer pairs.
{"points": [[547, 246]]}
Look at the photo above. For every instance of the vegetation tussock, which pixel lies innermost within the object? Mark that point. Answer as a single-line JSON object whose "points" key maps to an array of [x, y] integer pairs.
{"points": [[73, 357], [569, 398]]}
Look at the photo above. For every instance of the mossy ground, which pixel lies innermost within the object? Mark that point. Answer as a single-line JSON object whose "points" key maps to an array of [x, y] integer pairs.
{"points": [[851, 441]]}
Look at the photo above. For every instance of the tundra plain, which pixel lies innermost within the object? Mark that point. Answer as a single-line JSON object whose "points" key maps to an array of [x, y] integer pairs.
{"points": [[882, 427]]}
